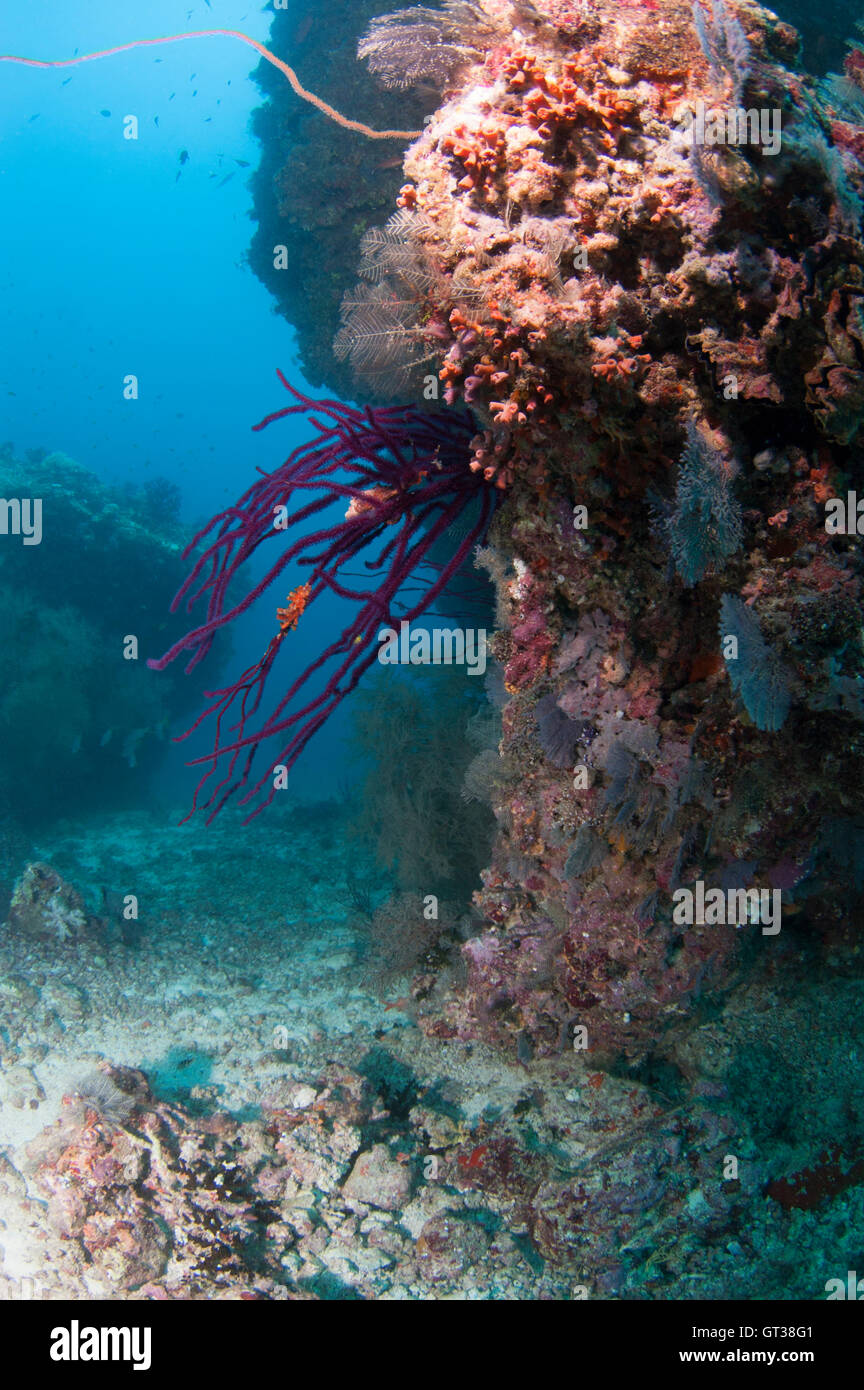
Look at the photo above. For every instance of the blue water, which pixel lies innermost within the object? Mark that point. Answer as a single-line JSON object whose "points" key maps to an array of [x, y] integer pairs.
{"points": [[112, 264]]}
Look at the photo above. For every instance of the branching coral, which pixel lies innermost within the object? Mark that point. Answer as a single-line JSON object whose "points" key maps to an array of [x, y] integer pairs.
{"points": [[398, 468]]}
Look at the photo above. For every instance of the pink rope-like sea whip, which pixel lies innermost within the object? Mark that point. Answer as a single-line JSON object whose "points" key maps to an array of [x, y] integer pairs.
{"points": [[329, 111]]}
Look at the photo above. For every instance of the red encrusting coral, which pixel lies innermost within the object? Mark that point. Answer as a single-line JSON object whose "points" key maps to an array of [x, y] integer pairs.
{"points": [[833, 1173]]}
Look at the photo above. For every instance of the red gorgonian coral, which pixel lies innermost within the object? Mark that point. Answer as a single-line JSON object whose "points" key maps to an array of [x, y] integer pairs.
{"points": [[404, 476]]}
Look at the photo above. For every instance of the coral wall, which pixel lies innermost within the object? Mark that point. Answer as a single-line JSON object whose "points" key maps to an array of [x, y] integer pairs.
{"points": [[662, 340], [317, 188]]}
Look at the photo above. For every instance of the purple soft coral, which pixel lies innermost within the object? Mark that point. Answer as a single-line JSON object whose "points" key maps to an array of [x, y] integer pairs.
{"points": [[396, 467]]}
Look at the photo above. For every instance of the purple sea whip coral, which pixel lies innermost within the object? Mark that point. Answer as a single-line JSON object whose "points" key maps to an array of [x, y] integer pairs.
{"points": [[396, 467]]}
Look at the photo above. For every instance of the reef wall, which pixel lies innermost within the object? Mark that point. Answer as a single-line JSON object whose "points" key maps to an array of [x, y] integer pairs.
{"points": [[318, 188], [630, 240], [74, 613]]}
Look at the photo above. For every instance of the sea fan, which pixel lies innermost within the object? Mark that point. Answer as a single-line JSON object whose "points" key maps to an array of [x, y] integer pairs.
{"points": [[724, 44], [587, 852], [484, 777], [622, 792], [756, 672], [559, 735], [811, 147], [423, 46], [704, 527]]}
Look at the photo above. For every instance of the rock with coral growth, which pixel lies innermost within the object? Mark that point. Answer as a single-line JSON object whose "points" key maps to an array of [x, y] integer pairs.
{"points": [[660, 337], [378, 1180], [45, 907]]}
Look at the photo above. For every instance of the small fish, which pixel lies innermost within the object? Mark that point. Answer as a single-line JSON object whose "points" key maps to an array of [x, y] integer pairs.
{"points": [[34, 118], [226, 179], [184, 155], [106, 738], [172, 96], [66, 82], [195, 93], [104, 112], [303, 29], [403, 1005], [155, 120], [244, 163]]}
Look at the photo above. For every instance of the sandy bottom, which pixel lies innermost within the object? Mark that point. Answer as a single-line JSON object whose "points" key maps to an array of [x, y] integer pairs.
{"points": [[287, 1130]]}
